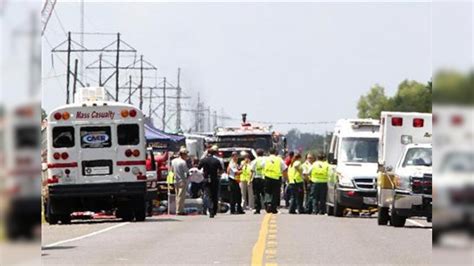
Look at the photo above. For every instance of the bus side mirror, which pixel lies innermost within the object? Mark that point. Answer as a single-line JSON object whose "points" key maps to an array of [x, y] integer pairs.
{"points": [[331, 158]]}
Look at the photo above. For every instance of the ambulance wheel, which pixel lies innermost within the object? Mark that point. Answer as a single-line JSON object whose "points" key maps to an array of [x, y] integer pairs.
{"points": [[397, 220], [338, 210], [382, 215]]}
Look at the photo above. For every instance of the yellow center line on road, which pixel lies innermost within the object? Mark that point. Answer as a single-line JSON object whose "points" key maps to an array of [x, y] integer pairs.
{"points": [[266, 243], [259, 247]]}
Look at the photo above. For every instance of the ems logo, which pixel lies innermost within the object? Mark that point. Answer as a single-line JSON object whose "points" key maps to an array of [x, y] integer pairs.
{"points": [[95, 138]]}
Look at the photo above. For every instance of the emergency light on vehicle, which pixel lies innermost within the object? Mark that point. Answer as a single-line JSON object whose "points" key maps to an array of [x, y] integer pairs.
{"points": [[418, 122], [397, 121], [64, 116], [125, 113], [457, 120]]}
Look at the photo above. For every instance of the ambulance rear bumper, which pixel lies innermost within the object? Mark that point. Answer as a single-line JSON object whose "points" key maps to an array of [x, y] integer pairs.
{"points": [[98, 190]]}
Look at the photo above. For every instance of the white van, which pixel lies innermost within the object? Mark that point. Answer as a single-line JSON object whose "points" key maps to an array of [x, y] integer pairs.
{"points": [[353, 156], [96, 161], [405, 167]]}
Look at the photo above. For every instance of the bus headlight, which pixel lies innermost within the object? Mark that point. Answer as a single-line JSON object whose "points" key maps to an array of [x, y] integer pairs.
{"points": [[345, 181]]}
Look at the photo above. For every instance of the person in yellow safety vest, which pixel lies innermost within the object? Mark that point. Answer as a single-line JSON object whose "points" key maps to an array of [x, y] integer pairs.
{"points": [[308, 202], [319, 187], [273, 170], [245, 187], [257, 180], [170, 177], [296, 183]]}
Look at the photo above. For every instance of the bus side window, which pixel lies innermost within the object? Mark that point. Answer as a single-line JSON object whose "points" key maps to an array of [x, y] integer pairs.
{"points": [[63, 137], [128, 134]]}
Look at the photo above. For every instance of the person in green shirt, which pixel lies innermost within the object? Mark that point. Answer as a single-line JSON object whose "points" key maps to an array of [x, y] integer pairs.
{"points": [[296, 184]]}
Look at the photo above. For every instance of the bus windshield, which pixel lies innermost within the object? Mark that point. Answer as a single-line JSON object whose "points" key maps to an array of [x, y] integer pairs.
{"points": [[247, 141], [359, 150]]}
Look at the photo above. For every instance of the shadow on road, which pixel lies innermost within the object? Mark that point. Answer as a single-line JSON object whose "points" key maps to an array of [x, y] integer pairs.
{"points": [[57, 248], [417, 227]]}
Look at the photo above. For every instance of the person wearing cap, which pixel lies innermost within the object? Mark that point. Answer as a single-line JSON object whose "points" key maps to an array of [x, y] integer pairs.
{"points": [[212, 169], [234, 171], [245, 186], [180, 169], [257, 180]]}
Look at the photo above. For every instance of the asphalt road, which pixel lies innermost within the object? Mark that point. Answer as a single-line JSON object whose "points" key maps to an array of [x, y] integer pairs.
{"points": [[280, 239]]}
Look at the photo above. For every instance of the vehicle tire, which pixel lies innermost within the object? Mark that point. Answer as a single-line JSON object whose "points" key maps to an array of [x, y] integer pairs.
{"points": [[125, 213], [140, 210], [397, 220], [338, 209], [51, 218], [429, 219], [65, 218], [382, 215], [12, 228], [436, 236]]}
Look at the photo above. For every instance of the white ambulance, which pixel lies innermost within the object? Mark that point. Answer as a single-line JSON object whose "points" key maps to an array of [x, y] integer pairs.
{"points": [[353, 166], [96, 160], [405, 167]]}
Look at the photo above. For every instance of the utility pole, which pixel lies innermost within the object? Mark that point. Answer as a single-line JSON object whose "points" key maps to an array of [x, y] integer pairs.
{"points": [[215, 119], [130, 89], [117, 69], [82, 39], [68, 65], [197, 114], [178, 102], [163, 118], [208, 118], [141, 83], [100, 70], [75, 81]]}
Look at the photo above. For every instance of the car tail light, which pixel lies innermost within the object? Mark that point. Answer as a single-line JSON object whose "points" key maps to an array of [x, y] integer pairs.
{"points": [[136, 153], [53, 180], [56, 155], [418, 122], [66, 115], [64, 155], [397, 121], [457, 120], [128, 153], [221, 154], [58, 116], [124, 113], [133, 113]]}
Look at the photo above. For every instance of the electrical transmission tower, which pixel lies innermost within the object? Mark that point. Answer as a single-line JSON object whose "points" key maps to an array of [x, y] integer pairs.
{"points": [[118, 46]]}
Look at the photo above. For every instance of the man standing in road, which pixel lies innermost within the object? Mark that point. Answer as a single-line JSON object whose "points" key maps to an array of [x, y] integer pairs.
{"points": [[273, 170], [308, 202], [212, 169], [233, 172], [319, 187], [180, 169], [257, 181]]}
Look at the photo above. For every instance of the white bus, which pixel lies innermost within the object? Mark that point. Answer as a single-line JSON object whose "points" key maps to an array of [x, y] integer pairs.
{"points": [[96, 161]]}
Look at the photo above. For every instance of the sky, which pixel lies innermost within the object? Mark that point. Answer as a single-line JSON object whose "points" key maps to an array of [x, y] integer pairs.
{"points": [[277, 62]]}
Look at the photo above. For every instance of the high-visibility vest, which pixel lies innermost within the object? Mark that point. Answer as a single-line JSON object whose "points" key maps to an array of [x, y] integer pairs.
{"points": [[272, 167], [259, 166], [246, 172], [295, 173], [319, 172], [170, 177]]}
